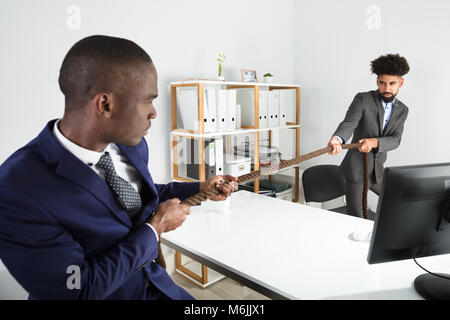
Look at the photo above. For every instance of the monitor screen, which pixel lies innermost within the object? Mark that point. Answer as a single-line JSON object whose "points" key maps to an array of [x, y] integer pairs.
{"points": [[413, 214]]}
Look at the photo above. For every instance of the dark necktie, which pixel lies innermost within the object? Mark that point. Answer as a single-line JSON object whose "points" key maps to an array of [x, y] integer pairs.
{"points": [[128, 197]]}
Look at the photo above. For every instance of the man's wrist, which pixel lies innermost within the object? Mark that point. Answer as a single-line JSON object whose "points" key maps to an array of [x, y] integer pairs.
{"points": [[202, 186], [374, 143], [154, 230], [155, 223], [339, 138]]}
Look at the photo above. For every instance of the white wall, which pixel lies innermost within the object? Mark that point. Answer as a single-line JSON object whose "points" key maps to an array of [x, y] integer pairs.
{"points": [[182, 37], [325, 46], [333, 47]]}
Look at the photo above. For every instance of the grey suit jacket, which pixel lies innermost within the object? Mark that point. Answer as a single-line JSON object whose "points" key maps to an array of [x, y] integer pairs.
{"points": [[364, 119]]}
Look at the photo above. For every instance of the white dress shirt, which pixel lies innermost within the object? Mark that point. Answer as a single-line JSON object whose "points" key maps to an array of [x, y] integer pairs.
{"points": [[123, 167], [388, 107]]}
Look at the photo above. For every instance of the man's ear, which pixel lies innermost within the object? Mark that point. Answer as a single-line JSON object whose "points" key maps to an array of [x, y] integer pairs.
{"points": [[401, 82], [103, 104]]}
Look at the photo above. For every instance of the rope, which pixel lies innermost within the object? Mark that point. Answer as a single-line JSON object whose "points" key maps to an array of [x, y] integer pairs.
{"points": [[283, 164]]}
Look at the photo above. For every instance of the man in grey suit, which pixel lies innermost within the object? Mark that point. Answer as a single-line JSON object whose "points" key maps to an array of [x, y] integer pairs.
{"points": [[376, 119]]}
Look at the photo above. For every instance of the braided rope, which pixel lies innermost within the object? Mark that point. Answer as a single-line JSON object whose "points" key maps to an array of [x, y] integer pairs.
{"points": [[283, 164]]}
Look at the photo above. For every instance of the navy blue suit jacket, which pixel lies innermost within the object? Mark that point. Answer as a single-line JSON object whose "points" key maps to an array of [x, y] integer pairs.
{"points": [[56, 212]]}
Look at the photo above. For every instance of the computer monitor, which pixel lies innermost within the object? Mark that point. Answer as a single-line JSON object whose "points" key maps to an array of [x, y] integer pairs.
{"points": [[413, 220]]}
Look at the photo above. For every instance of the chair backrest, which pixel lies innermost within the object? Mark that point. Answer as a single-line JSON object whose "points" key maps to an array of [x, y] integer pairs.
{"points": [[323, 183]]}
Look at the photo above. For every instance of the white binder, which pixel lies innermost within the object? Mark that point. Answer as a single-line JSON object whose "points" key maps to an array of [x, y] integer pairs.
{"points": [[273, 109], [238, 116], [188, 108], [284, 103], [263, 100], [246, 100], [231, 110], [218, 147], [210, 158], [221, 111], [210, 107]]}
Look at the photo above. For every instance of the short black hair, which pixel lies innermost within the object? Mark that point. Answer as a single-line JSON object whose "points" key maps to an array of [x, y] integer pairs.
{"points": [[98, 64], [390, 64]]}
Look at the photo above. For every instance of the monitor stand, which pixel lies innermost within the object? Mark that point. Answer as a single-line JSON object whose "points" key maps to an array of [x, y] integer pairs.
{"points": [[432, 287]]}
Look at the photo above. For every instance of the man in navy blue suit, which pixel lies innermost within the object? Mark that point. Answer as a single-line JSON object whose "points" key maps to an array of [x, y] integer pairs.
{"points": [[80, 216]]}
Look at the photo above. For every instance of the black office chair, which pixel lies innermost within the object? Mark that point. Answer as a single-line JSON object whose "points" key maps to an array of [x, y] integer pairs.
{"points": [[324, 183]]}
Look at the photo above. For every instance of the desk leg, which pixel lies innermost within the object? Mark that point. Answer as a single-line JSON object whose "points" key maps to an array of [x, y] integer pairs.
{"points": [[204, 274], [201, 281]]}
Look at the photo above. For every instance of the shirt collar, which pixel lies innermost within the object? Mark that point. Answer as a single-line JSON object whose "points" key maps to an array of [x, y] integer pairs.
{"points": [[387, 105], [87, 156]]}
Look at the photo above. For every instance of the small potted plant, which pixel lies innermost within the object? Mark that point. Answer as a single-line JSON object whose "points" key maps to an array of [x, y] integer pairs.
{"points": [[268, 77], [220, 59]]}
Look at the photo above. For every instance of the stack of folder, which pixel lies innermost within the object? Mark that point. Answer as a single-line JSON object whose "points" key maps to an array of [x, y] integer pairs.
{"points": [[272, 113], [267, 155], [220, 109]]}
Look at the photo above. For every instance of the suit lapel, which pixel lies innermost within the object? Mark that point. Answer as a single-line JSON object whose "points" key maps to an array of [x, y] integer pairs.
{"points": [[134, 157], [377, 98], [76, 171], [132, 154]]}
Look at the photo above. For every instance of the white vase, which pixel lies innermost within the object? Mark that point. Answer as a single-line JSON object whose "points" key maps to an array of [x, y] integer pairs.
{"points": [[221, 78], [268, 79]]}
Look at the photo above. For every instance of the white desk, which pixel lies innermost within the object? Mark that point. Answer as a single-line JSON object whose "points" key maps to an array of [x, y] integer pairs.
{"points": [[287, 250], [10, 289]]}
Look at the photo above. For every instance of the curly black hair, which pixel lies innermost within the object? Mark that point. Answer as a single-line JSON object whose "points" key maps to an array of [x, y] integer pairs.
{"points": [[390, 64]]}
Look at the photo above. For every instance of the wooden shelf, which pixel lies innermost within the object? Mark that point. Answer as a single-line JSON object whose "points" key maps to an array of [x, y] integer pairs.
{"points": [[187, 133], [201, 135], [184, 179]]}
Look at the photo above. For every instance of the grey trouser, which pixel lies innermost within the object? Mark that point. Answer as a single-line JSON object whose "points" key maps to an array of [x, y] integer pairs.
{"points": [[353, 195]]}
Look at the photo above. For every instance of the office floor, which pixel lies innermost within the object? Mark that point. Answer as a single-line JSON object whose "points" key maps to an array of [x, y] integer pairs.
{"points": [[225, 289]]}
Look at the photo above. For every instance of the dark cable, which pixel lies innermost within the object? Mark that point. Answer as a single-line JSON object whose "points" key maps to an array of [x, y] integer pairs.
{"points": [[432, 273]]}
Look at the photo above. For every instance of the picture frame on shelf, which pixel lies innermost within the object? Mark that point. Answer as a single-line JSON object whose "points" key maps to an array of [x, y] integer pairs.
{"points": [[248, 75]]}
